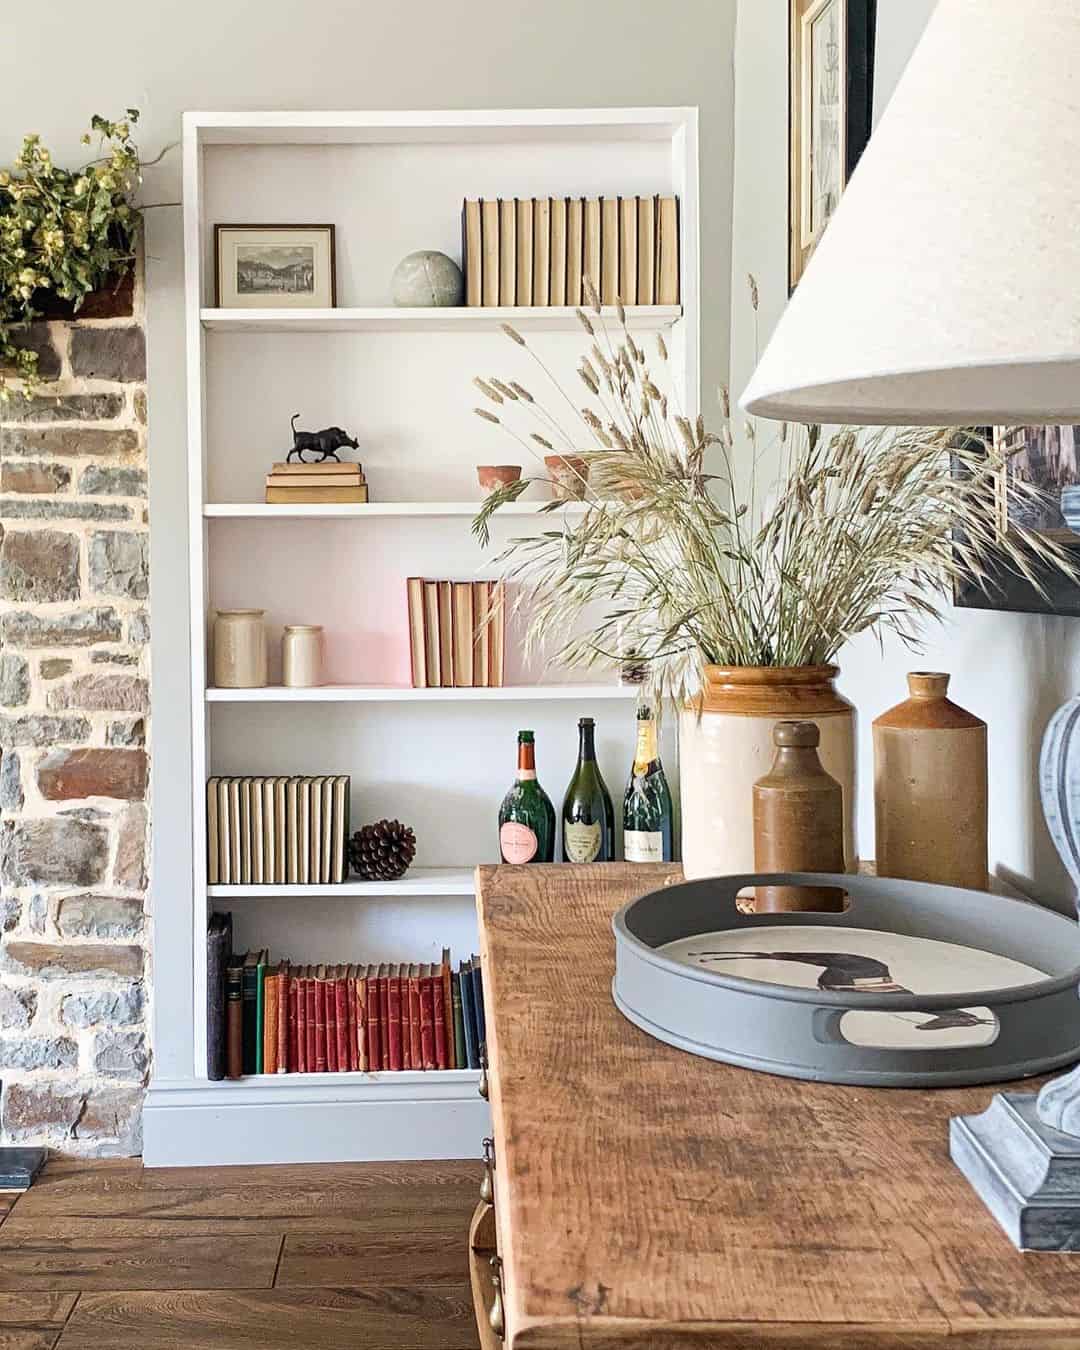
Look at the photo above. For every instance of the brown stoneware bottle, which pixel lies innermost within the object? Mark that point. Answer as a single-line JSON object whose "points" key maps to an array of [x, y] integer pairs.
{"points": [[798, 822], [930, 788]]}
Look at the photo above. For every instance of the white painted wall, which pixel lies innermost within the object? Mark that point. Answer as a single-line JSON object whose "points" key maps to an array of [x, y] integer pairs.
{"points": [[60, 62], [1011, 669]]}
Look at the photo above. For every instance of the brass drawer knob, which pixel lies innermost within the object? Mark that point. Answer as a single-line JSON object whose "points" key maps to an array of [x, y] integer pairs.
{"points": [[487, 1184], [497, 1317], [482, 1086]]}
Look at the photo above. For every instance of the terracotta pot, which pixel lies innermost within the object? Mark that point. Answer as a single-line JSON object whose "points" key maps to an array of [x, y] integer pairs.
{"points": [[492, 476], [569, 475], [726, 745], [930, 788]]}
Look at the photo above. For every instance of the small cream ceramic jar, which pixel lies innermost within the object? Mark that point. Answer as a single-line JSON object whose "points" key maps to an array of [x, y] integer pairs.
{"points": [[301, 655], [239, 649]]}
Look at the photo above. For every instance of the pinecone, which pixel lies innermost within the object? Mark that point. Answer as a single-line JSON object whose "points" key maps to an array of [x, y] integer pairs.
{"points": [[383, 851]]}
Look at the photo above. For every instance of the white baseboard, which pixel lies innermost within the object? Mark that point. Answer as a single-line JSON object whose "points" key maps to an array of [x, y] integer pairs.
{"points": [[314, 1118]]}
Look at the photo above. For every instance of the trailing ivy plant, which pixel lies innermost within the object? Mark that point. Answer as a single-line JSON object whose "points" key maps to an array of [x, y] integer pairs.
{"points": [[65, 231]]}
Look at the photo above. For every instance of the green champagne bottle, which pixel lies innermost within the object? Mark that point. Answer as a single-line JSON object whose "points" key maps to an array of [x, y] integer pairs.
{"points": [[588, 818], [647, 813], [527, 817]]}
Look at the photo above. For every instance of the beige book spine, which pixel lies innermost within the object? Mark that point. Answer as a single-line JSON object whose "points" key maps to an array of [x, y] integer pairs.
{"points": [[541, 232], [489, 221], [557, 251], [269, 830], [524, 236], [667, 288], [628, 250], [317, 496], [575, 250], [507, 251], [472, 254], [213, 865], [225, 871], [326, 839], [414, 591], [609, 250], [646, 247], [590, 267], [255, 790]]}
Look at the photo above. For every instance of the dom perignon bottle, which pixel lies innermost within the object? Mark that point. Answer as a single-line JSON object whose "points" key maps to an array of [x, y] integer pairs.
{"points": [[647, 814], [527, 817], [588, 818]]}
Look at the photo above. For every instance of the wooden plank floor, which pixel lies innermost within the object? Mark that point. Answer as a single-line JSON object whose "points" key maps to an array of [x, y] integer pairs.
{"points": [[356, 1256]]}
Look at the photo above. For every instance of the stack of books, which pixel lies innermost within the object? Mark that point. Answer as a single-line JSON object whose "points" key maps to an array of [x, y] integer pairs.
{"points": [[457, 633], [314, 484], [541, 250], [277, 831], [283, 1018]]}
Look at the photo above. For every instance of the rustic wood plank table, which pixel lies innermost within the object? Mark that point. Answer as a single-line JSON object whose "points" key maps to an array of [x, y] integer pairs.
{"points": [[644, 1197]]}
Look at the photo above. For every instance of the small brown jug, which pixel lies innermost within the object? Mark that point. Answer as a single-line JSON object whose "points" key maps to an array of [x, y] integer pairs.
{"points": [[930, 788], [798, 822]]}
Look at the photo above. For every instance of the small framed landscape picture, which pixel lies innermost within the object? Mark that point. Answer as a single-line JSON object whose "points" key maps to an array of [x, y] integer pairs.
{"points": [[274, 267], [1048, 458], [831, 57]]}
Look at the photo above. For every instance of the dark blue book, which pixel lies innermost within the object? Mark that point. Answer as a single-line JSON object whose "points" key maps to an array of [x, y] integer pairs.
{"points": [[472, 1051], [478, 1002]]}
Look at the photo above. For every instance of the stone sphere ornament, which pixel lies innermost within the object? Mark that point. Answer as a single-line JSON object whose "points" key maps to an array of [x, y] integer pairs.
{"points": [[427, 278]]}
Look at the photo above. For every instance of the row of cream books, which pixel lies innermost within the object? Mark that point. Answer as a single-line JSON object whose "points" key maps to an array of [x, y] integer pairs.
{"points": [[277, 831], [457, 633], [544, 250]]}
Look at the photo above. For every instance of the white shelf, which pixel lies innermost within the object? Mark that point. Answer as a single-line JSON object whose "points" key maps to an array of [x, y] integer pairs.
{"points": [[264, 511], [392, 693], [417, 881], [463, 319], [383, 1078]]}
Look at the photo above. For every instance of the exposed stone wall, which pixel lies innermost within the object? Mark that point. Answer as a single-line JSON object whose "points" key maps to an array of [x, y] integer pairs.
{"points": [[74, 714]]}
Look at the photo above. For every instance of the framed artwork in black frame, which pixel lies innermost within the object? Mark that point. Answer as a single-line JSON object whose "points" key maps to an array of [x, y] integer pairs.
{"points": [[1048, 457], [831, 84]]}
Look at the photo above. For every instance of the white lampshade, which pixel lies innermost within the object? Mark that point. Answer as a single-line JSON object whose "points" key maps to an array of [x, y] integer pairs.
{"points": [[946, 289]]}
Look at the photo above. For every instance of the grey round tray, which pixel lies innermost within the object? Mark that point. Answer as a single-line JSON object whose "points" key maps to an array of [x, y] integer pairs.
{"points": [[798, 1031]]}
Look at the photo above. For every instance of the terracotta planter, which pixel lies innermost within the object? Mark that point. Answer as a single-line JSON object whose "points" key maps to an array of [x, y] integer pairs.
{"points": [[726, 745], [930, 788], [492, 476], [569, 475]]}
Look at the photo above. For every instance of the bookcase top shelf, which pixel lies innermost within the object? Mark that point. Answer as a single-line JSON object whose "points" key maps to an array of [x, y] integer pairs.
{"points": [[417, 881], [434, 319], [264, 511], [390, 693]]}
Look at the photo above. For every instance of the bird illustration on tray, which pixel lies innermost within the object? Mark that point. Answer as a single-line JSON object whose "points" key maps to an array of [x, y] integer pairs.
{"points": [[849, 972]]}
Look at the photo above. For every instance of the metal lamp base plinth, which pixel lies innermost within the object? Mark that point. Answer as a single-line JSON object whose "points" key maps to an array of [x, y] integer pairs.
{"points": [[1026, 1173], [19, 1167]]}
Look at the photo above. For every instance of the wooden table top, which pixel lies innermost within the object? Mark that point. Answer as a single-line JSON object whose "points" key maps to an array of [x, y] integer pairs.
{"points": [[646, 1197]]}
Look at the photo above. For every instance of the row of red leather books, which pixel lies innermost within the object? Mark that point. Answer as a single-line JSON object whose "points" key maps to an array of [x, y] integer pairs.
{"points": [[344, 1019]]}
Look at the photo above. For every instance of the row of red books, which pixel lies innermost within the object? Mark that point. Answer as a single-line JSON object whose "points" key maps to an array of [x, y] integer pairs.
{"points": [[358, 1018]]}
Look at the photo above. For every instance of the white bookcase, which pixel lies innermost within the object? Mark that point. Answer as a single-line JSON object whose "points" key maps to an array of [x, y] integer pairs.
{"points": [[401, 382]]}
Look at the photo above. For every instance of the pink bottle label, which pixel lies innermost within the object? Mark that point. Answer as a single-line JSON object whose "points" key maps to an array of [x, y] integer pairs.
{"points": [[517, 842]]}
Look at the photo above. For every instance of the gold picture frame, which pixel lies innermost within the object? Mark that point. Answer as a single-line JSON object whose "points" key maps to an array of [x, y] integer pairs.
{"points": [[831, 61]]}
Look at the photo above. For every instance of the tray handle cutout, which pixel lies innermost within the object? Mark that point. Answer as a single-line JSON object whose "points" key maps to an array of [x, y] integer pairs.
{"points": [[943, 1029], [800, 898]]}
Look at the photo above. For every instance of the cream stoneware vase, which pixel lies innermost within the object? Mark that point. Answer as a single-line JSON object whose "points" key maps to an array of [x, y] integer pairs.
{"points": [[726, 745]]}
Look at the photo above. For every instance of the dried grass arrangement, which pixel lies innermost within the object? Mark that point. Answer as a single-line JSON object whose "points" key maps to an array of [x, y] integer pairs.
{"points": [[682, 560]]}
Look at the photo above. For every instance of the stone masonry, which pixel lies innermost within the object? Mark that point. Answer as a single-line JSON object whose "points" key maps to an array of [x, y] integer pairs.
{"points": [[74, 721]]}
